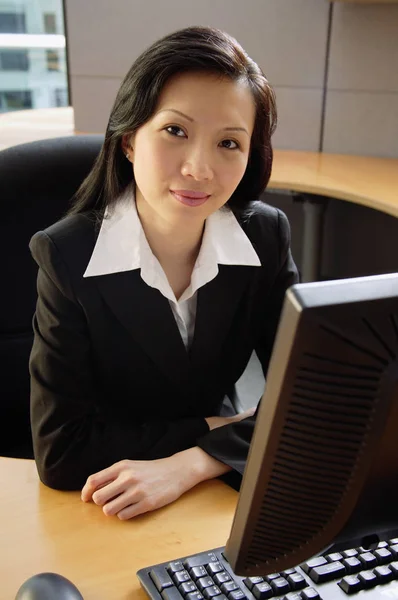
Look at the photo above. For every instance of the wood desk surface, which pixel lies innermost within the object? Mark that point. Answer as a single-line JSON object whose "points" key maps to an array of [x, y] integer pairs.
{"points": [[45, 530], [365, 180]]}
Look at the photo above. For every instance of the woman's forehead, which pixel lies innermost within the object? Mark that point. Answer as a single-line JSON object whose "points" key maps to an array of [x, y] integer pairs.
{"points": [[208, 96]]}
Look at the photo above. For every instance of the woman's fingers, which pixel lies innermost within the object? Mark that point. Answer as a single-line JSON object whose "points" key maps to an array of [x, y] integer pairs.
{"points": [[123, 501], [100, 480], [138, 508], [113, 489]]}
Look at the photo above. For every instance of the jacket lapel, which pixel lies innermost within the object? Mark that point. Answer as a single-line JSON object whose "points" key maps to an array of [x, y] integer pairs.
{"points": [[147, 315]]}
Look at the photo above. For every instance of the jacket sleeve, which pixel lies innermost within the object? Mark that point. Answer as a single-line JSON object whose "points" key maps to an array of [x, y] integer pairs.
{"points": [[230, 444], [72, 437]]}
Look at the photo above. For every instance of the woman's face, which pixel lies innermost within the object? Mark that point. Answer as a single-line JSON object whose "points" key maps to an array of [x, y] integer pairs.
{"points": [[191, 155]]}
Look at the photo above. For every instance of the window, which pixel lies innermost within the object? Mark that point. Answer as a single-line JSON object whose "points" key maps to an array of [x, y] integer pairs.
{"points": [[14, 60], [12, 23], [17, 100], [52, 60], [50, 23], [32, 75], [60, 97]]}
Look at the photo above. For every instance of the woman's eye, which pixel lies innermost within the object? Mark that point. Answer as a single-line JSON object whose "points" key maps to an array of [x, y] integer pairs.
{"points": [[175, 130], [230, 144]]}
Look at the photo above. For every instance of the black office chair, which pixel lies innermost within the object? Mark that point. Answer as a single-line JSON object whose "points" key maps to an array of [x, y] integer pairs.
{"points": [[37, 181]]}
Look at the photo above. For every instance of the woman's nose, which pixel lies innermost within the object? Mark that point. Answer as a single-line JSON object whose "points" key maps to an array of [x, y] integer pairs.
{"points": [[197, 165]]}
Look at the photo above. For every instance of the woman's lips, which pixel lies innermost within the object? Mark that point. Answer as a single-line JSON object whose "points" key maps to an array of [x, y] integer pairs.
{"points": [[190, 198]]}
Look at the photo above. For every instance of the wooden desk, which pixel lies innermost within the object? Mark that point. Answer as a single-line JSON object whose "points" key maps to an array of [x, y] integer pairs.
{"points": [[45, 530], [364, 180]]}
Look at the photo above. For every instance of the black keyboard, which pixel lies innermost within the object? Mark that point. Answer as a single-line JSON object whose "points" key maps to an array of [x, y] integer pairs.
{"points": [[208, 575]]}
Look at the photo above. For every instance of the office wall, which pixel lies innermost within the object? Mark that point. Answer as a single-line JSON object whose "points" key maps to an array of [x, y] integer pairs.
{"points": [[286, 37], [362, 88], [344, 100]]}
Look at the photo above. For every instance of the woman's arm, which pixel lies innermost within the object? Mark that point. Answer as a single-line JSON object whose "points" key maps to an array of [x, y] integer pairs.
{"points": [[72, 436]]}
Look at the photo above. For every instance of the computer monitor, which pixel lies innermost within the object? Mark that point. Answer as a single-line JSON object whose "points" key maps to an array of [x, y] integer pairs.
{"points": [[322, 470]]}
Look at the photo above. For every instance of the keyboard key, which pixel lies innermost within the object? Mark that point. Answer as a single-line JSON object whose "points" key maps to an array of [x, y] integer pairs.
{"points": [[204, 582], [383, 555], [383, 574], [187, 587], [211, 592], [368, 560], [197, 572], [175, 566], [237, 595], [214, 567], [262, 591], [161, 578], [310, 593], [181, 577], [394, 568], [196, 561], [250, 582], [352, 564], [327, 572], [292, 596], [350, 584], [296, 581], [272, 576], [368, 579], [334, 556], [222, 577], [195, 596], [394, 550], [382, 545], [171, 593], [313, 562], [350, 552], [228, 587], [393, 541], [280, 586], [288, 572]]}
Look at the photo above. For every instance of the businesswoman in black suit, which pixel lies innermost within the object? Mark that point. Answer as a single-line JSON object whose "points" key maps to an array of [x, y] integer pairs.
{"points": [[160, 282]]}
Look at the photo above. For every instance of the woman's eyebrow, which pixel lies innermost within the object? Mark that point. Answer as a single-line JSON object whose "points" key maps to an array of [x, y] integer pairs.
{"points": [[178, 112]]}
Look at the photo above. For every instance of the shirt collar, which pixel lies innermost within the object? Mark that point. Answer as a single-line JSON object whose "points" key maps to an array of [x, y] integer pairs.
{"points": [[122, 246]]}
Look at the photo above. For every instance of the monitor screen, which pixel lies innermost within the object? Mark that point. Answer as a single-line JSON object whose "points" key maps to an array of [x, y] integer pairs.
{"points": [[322, 469]]}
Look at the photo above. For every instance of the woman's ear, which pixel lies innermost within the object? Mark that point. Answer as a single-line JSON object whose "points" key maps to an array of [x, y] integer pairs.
{"points": [[127, 146]]}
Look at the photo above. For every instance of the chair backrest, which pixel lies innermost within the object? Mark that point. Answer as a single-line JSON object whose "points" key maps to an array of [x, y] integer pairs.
{"points": [[37, 181]]}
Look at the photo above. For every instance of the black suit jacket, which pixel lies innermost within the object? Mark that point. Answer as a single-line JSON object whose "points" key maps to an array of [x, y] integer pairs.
{"points": [[110, 376]]}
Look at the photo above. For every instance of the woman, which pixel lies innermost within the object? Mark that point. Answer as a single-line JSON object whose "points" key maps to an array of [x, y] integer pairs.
{"points": [[155, 289]]}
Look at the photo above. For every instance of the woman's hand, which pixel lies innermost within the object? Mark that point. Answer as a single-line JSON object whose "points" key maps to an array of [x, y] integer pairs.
{"points": [[132, 487]]}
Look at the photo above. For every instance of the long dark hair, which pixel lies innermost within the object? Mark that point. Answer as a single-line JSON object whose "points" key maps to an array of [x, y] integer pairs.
{"points": [[191, 49]]}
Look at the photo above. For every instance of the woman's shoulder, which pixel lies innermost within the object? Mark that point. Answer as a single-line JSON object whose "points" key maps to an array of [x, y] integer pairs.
{"points": [[263, 223], [73, 228], [71, 239]]}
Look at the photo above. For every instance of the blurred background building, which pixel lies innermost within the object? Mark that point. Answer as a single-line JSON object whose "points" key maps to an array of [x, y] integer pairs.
{"points": [[33, 72]]}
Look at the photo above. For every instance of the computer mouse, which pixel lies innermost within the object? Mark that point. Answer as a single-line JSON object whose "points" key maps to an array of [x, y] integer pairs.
{"points": [[48, 586]]}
